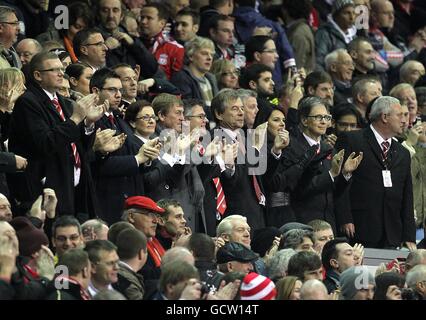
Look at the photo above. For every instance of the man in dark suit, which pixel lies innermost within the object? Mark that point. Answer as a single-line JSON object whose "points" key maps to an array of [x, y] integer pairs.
{"points": [[377, 208], [117, 175], [54, 136], [313, 195]]}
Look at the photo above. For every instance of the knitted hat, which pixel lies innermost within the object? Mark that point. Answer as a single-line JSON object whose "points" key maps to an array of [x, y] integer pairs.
{"points": [[340, 4], [142, 203], [354, 279], [30, 238], [257, 287]]}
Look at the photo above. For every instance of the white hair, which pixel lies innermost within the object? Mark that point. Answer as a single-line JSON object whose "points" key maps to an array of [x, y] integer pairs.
{"points": [[313, 290], [333, 57], [277, 266], [415, 275], [225, 226]]}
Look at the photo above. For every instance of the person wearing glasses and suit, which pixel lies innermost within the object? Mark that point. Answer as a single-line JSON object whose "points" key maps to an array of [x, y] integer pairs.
{"points": [[9, 30], [312, 198]]}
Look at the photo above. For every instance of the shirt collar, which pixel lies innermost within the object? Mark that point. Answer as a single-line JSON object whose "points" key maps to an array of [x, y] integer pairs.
{"points": [[144, 140], [51, 96], [379, 138], [126, 265], [93, 290], [311, 141]]}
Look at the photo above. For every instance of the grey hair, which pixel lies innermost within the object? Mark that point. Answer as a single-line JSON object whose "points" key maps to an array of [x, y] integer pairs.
{"points": [[360, 87], [415, 275], [196, 44], [415, 257], [396, 91], [244, 94], [95, 224], [333, 57], [5, 11], [313, 290], [221, 100], [277, 266], [382, 105], [405, 69], [225, 226], [293, 238]]}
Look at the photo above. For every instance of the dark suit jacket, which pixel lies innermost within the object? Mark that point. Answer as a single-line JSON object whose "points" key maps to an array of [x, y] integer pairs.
{"points": [[382, 216], [313, 196], [38, 134], [239, 191], [117, 176]]}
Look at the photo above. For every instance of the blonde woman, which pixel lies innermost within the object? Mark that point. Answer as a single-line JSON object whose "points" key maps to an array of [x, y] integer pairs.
{"points": [[12, 86], [226, 74]]}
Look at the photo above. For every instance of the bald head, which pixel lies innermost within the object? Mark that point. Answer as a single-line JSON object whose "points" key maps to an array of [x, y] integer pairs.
{"points": [[411, 71], [382, 13], [314, 290], [177, 254], [27, 48]]}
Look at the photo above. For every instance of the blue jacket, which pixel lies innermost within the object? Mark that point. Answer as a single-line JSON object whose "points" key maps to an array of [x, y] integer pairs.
{"points": [[247, 19]]}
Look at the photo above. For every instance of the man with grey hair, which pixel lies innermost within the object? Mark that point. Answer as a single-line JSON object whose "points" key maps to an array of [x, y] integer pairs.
{"points": [[405, 93], [386, 174], [95, 229], [249, 99], [194, 80], [415, 258], [411, 71], [27, 48], [278, 264], [314, 290], [9, 30], [340, 66], [177, 254], [416, 280]]}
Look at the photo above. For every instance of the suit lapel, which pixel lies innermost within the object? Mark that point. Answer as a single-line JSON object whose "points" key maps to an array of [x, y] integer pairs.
{"points": [[393, 155], [371, 140]]}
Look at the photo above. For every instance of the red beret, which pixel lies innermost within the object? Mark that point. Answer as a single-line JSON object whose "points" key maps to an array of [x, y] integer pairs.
{"points": [[142, 203]]}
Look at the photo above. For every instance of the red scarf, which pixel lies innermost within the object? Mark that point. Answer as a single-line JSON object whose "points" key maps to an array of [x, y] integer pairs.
{"points": [[156, 251], [69, 47]]}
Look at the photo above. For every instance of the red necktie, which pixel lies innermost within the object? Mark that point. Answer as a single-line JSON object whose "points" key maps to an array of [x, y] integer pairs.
{"points": [[111, 119], [220, 199], [259, 195], [385, 149], [77, 160]]}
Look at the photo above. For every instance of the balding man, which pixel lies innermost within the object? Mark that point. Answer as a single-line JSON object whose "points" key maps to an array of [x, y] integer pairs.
{"points": [[27, 48], [385, 220], [314, 290]]}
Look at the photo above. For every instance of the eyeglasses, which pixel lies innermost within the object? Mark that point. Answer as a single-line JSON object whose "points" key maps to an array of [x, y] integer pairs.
{"points": [[147, 118], [13, 23], [110, 264], [230, 73], [199, 116], [320, 117], [73, 237], [56, 70], [97, 44], [113, 90], [270, 51]]}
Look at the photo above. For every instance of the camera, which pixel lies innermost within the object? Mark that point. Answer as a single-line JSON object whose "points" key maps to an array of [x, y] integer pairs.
{"points": [[409, 294]]}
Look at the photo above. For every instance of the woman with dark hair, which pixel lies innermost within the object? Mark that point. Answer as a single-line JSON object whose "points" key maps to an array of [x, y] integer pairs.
{"points": [[80, 17], [141, 117], [80, 75], [281, 178], [345, 118], [384, 281]]}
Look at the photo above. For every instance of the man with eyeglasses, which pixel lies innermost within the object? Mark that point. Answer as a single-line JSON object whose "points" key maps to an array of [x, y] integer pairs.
{"points": [[9, 30], [143, 213], [221, 31], [312, 198], [118, 174], [56, 134], [104, 265], [89, 47], [66, 234]]}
